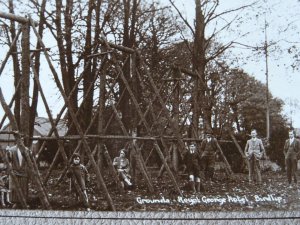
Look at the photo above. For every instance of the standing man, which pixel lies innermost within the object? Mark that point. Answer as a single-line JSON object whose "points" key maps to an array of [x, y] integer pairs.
{"points": [[192, 161], [209, 149], [291, 152], [19, 168], [254, 151]]}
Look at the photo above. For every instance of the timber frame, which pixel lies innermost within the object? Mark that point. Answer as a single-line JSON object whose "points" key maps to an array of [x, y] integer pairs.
{"points": [[163, 144]]}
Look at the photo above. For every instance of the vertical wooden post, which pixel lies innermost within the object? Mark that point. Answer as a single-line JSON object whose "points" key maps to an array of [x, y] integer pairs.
{"points": [[101, 117], [134, 115], [175, 154]]}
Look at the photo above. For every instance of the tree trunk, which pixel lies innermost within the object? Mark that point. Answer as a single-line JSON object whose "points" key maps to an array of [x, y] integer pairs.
{"points": [[199, 64], [35, 96], [89, 73], [128, 41], [65, 53], [24, 123]]}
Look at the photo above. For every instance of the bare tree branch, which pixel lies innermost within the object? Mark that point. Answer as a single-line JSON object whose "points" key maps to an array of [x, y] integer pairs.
{"points": [[181, 16], [230, 11], [219, 51]]}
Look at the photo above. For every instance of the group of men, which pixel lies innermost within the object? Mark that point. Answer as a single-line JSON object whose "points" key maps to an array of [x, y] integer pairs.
{"points": [[204, 159], [200, 164]]}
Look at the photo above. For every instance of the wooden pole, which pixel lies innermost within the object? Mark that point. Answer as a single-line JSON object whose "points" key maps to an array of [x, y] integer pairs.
{"points": [[227, 165], [11, 102], [178, 136], [136, 152], [137, 107], [112, 169], [37, 80], [9, 51], [101, 110], [239, 149], [100, 182], [175, 154], [53, 128]]}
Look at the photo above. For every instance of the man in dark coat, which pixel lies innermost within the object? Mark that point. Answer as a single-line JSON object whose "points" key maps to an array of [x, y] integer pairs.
{"points": [[291, 152], [209, 149], [20, 170]]}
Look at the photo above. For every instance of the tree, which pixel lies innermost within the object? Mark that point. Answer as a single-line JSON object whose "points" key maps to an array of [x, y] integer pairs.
{"points": [[205, 14]]}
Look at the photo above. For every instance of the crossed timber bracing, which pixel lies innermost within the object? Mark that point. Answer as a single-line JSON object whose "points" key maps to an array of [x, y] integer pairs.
{"points": [[162, 142]]}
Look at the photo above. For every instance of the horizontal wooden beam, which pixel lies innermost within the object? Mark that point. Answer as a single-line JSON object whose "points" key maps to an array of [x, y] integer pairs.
{"points": [[91, 136]]}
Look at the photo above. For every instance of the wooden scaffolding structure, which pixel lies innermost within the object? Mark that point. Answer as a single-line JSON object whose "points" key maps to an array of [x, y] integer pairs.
{"points": [[166, 146]]}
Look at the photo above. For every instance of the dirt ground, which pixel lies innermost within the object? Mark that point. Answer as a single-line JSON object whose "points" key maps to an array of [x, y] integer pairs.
{"points": [[222, 194]]}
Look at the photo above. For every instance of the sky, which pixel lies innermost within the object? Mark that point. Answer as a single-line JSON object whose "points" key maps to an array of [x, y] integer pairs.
{"points": [[249, 30], [282, 17]]}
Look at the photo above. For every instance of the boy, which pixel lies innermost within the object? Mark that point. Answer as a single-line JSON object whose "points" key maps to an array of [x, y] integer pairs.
{"points": [[79, 175], [192, 160]]}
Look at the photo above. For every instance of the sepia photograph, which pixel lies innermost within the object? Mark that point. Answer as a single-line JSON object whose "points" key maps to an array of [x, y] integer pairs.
{"points": [[149, 111]]}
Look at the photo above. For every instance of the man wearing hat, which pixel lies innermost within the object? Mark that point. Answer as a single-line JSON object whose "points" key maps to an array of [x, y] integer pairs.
{"points": [[209, 150]]}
